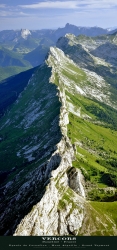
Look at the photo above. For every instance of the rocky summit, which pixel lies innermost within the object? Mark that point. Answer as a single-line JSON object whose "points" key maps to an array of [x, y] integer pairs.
{"points": [[58, 144]]}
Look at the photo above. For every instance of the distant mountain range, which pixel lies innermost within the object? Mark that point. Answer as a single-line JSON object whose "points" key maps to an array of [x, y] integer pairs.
{"points": [[23, 49], [15, 36]]}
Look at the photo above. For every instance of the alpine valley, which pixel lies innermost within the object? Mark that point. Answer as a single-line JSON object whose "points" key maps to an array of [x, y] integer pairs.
{"points": [[58, 138]]}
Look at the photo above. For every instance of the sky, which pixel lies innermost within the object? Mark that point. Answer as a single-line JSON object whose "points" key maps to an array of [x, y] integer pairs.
{"points": [[52, 14]]}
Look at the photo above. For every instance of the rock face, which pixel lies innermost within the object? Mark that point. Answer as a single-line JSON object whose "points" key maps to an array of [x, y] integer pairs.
{"points": [[60, 211], [76, 181], [108, 52], [89, 51]]}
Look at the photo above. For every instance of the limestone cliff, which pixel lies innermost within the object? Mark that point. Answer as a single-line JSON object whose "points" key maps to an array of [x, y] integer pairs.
{"points": [[60, 211]]}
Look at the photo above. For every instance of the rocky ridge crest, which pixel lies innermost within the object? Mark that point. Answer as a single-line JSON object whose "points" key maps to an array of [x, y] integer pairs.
{"points": [[61, 209]]}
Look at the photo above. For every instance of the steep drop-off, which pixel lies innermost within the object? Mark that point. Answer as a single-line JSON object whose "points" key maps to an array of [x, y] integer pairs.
{"points": [[29, 132], [60, 165]]}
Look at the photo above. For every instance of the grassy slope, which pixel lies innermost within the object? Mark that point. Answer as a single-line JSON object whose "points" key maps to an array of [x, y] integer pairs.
{"points": [[29, 132], [11, 87], [100, 219], [12, 63], [96, 153], [11, 58], [94, 134], [15, 132], [6, 72], [97, 135], [37, 56]]}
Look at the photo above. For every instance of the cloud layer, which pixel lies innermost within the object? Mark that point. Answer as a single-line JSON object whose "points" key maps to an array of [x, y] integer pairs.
{"points": [[72, 4], [48, 14]]}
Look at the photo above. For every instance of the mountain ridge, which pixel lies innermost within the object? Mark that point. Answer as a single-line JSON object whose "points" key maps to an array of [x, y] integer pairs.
{"points": [[65, 157], [60, 209]]}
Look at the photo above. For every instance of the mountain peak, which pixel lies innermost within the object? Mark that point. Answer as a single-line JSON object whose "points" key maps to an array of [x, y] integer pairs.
{"points": [[67, 25], [25, 33]]}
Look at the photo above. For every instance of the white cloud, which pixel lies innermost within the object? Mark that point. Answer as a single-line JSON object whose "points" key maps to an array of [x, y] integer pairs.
{"points": [[23, 14], [13, 14], [50, 4], [72, 4], [78, 12]]}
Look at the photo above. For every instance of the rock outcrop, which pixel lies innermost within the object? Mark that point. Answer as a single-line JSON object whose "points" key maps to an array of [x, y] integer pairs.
{"points": [[60, 211]]}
